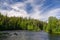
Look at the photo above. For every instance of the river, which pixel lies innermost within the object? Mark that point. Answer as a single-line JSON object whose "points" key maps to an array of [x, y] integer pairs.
{"points": [[27, 35]]}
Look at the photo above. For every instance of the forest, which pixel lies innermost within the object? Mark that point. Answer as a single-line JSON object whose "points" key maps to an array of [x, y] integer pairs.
{"points": [[20, 23]]}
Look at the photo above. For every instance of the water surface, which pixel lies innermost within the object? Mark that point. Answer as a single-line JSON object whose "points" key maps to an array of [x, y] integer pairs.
{"points": [[27, 35]]}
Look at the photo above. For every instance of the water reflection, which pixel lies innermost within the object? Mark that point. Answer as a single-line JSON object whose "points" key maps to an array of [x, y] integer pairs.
{"points": [[54, 37], [26, 35]]}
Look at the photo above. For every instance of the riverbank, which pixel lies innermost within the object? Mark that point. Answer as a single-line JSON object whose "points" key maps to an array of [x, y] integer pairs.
{"points": [[29, 24]]}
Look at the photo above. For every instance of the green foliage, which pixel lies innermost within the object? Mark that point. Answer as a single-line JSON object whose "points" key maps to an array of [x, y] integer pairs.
{"points": [[19, 23], [53, 25]]}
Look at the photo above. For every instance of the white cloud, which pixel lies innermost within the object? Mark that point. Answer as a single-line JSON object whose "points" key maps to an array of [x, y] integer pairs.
{"points": [[22, 13], [36, 14], [19, 6], [53, 12], [18, 9]]}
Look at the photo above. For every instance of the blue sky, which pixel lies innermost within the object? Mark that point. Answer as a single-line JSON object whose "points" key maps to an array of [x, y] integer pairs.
{"points": [[37, 9]]}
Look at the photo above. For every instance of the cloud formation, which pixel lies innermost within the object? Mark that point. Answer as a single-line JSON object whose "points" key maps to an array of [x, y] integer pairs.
{"points": [[37, 9]]}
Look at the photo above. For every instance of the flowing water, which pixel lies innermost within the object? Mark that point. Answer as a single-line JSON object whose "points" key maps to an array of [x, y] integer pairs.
{"points": [[27, 35]]}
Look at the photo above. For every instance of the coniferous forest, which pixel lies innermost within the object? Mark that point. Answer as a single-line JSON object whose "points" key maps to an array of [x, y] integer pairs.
{"points": [[20, 23]]}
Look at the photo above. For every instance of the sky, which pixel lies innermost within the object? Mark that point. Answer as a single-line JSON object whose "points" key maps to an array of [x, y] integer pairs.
{"points": [[37, 9]]}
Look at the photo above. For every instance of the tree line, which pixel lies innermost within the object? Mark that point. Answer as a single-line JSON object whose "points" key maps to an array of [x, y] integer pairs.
{"points": [[20, 23]]}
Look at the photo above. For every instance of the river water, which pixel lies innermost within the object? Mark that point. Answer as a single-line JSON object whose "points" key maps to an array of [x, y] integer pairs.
{"points": [[27, 35]]}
